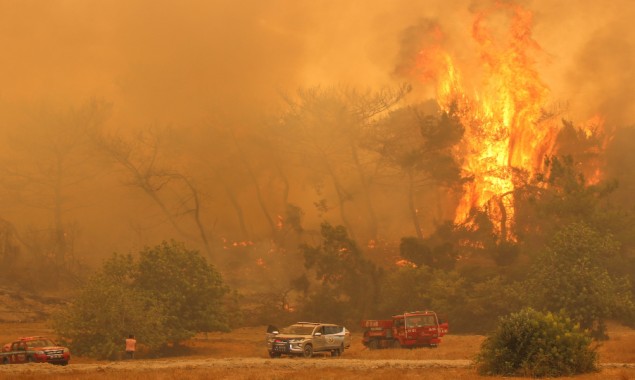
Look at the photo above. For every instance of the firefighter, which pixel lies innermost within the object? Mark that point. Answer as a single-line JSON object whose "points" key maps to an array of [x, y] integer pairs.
{"points": [[131, 346]]}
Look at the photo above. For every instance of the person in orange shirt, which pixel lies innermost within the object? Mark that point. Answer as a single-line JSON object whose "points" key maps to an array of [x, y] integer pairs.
{"points": [[131, 346]]}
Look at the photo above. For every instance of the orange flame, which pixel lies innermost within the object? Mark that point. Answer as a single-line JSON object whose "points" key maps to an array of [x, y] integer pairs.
{"points": [[505, 129]]}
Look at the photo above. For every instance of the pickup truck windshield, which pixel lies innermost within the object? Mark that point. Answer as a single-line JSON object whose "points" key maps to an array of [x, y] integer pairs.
{"points": [[298, 330], [39, 343]]}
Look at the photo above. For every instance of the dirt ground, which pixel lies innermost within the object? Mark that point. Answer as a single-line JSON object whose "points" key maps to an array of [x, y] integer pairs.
{"points": [[241, 354]]}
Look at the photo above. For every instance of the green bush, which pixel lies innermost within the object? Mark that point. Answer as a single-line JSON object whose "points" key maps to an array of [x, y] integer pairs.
{"points": [[572, 274], [165, 296], [530, 343], [104, 313]]}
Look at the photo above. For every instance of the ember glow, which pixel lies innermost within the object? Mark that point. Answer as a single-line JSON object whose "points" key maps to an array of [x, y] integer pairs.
{"points": [[505, 129]]}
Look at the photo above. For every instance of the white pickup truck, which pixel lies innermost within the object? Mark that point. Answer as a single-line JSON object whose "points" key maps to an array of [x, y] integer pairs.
{"points": [[306, 338]]}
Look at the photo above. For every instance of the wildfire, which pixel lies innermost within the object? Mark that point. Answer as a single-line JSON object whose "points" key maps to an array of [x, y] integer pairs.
{"points": [[505, 129], [235, 244]]}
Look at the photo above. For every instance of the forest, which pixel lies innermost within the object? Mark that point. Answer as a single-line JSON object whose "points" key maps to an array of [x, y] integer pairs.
{"points": [[437, 171]]}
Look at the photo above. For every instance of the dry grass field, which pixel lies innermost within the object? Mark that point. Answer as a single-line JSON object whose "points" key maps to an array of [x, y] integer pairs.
{"points": [[241, 355]]}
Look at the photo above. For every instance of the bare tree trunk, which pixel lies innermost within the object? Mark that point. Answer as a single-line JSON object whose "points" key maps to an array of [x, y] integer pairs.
{"points": [[503, 211], [151, 180], [342, 198], [365, 193], [254, 180], [412, 206], [239, 213], [59, 242], [196, 211]]}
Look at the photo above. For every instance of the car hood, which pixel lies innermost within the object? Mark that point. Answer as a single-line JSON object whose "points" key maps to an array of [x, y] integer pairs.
{"points": [[291, 336], [47, 348]]}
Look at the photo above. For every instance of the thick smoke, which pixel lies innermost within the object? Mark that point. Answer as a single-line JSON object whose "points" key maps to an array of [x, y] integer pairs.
{"points": [[183, 64], [176, 62]]}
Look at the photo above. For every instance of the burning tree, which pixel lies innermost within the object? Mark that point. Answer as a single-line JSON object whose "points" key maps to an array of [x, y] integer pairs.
{"points": [[502, 105]]}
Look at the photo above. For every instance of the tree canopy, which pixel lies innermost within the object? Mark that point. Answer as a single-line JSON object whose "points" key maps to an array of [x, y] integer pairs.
{"points": [[571, 274], [345, 282], [166, 295]]}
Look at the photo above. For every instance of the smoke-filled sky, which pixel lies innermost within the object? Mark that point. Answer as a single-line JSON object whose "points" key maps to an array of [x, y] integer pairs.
{"points": [[179, 62], [185, 63]]}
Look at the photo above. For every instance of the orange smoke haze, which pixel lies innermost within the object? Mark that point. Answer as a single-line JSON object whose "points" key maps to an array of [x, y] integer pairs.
{"points": [[173, 63], [194, 65]]}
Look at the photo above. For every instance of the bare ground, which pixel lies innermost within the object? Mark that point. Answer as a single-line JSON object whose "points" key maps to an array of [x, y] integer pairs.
{"points": [[241, 355]]}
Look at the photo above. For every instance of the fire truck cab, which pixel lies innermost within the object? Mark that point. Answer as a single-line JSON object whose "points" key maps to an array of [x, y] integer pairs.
{"points": [[408, 330]]}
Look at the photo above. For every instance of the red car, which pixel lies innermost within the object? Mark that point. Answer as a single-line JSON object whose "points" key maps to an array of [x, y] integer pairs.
{"points": [[35, 349]]}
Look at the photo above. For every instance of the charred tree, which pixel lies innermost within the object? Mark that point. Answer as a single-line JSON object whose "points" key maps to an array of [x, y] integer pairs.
{"points": [[140, 162]]}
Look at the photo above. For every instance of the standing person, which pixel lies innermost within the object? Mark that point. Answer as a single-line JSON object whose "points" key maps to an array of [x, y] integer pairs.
{"points": [[131, 346]]}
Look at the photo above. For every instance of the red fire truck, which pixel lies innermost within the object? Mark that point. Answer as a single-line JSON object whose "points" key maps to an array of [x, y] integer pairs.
{"points": [[408, 330]]}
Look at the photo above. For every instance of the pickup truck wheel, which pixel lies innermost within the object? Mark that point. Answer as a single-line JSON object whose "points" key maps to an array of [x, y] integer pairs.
{"points": [[308, 351]]}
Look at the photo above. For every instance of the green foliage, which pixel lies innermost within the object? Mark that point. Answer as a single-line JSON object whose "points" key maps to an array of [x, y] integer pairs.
{"points": [[534, 344], [414, 250], [167, 295], [472, 303], [400, 290], [562, 196], [347, 282], [409, 289], [424, 252], [571, 274], [190, 289], [104, 313], [419, 138], [485, 300]]}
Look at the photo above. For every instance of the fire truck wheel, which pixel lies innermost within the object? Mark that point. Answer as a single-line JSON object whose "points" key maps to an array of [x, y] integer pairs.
{"points": [[274, 354], [308, 351], [5, 360], [396, 344], [373, 344], [30, 359]]}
